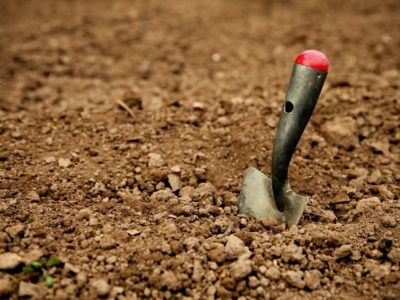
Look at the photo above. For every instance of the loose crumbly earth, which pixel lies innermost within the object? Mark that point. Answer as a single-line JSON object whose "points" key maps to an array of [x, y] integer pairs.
{"points": [[142, 202]]}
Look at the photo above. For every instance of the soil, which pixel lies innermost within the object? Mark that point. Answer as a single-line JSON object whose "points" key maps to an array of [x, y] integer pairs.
{"points": [[125, 128]]}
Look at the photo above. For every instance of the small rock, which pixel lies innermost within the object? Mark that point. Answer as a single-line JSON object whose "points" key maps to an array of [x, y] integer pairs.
{"points": [[93, 221], [176, 247], [6, 287], [71, 268], [3, 207], [292, 253], [191, 243], [133, 232], [174, 182], [211, 291], [216, 57], [385, 192], [356, 255], [176, 169], [273, 273], [16, 231], [262, 269], [375, 177], [230, 199], [165, 247], [198, 271], [170, 228], [32, 256], [29, 290], [16, 134], [341, 131], [294, 278], [33, 196], [241, 268], [153, 103], [163, 195], [118, 289], [50, 160], [379, 147], [327, 216], [253, 282], [9, 261], [84, 214], [380, 271], [81, 279], [217, 255], [338, 279], [313, 279], [155, 160], [203, 191], [368, 203], [107, 242], [388, 221], [4, 238], [224, 121], [394, 255], [198, 105], [101, 286], [170, 281], [341, 198], [235, 247], [64, 162], [342, 251]]}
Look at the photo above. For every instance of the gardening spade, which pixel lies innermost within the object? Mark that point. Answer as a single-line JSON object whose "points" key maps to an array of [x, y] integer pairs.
{"points": [[260, 196]]}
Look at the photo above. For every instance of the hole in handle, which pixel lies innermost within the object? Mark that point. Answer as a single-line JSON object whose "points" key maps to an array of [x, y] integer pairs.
{"points": [[289, 107]]}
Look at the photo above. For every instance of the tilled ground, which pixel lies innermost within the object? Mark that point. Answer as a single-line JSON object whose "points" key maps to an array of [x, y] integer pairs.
{"points": [[141, 201]]}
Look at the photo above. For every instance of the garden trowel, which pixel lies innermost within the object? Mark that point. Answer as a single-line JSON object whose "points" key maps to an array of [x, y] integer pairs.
{"points": [[260, 196]]}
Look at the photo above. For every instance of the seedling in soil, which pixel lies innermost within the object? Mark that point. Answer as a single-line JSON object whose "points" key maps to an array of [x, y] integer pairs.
{"points": [[260, 196], [41, 268]]}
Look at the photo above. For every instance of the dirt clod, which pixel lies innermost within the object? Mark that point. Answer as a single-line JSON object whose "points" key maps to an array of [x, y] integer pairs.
{"points": [[27, 289], [313, 279], [388, 221], [394, 255], [341, 131], [241, 268], [6, 287], [292, 253], [101, 287], [9, 261], [235, 247], [342, 251], [295, 278]]}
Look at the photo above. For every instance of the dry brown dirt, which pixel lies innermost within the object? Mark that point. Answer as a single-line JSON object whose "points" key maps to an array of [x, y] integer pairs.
{"points": [[143, 203]]}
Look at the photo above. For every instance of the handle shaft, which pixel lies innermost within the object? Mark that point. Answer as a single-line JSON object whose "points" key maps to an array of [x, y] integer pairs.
{"points": [[302, 95]]}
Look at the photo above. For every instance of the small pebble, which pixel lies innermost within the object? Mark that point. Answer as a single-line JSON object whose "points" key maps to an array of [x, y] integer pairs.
{"points": [[241, 268], [101, 287], [6, 287], [342, 251], [64, 162], [388, 221], [294, 278], [9, 261], [235, 247]]}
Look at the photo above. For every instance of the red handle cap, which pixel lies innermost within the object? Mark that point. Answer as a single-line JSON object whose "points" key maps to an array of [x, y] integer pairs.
{"points": [[313, 59]]}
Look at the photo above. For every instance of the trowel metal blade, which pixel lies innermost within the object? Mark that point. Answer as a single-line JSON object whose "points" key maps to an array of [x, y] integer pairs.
{"points": [[257, 200]]}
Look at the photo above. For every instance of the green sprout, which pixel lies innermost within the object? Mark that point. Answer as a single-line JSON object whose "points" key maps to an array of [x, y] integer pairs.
{"points": [[52, 262], [48, 280], [41, 268]]}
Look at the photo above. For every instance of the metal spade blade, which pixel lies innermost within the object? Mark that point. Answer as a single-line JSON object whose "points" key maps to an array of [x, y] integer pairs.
{"points": [[257, 200], [262, 197]]}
